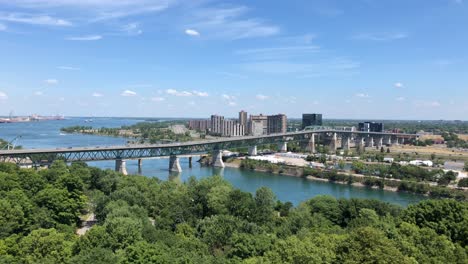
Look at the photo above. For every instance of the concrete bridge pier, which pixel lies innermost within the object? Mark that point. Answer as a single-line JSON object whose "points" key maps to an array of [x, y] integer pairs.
{"points": [[218, 159], [311, 144], [333, 143], [253, 151], [360, 144], [389, 141], [379, 142], [121, 166], [402, 141], [370, 142], [140, 163], [174, 165], [283, 147], [190, 162], [345, 141], [396, 142]]}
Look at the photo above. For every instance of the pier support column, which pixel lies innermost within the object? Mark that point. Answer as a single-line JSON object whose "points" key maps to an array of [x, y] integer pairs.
{"points": [[190, 162], [360, 144], [283, 147], [379, 142], [370, 142], [333, 143], [389, 141], [395, 142], [402, 141], [345, 142], [174, 164], [253, 151], [218, 159], [121, 166], [140, 163], [311, 144]]}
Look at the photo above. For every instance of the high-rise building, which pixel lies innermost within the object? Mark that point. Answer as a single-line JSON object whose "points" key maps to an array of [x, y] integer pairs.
{"points": [[200, 125], [277, 124], [232, 128], [371, 127], [243, 118], [258, 125], [217, 124], [311, 120]]}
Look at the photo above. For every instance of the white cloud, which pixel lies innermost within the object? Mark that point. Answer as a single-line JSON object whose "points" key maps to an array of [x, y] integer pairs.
{"points": [[178, 93], [68, 68], [427, 104], [128, 93], [132, 29], [230, 23], [228, 97], [232, 103], [362, 95], [201, 94], [3, 96], [157, 99], [192, 103], [96, 94], [192, 32], [38, 93], [401, 99], [385, 36], [3, 27], [85, 38], [51, 81], [399, 85], [31, 19], [261, 97]]}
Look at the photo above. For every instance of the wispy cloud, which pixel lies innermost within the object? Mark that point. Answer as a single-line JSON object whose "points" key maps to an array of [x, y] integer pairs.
{"points": [[398, 85], [85, 38], [157, 99], [132, 29], [233, 75], [128, 93], [261, 97], [362, 95], [38, 93], [231, 23], [51, 81], [32, 19], [3, 96], [427, 104], [3, 27], [96, 94], [228, 97], [276, 53], [385, 36], [401, 99], [68, 68], [178, 93], [201, 94], [192, 32]]}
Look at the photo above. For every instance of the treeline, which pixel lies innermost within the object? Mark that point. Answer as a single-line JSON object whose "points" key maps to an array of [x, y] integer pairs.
{"points": [[152, 132], [145, 220], [453, 141], [5, 144]]}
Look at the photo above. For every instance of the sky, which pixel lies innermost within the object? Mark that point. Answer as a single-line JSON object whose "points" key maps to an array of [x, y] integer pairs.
{"points": [[360, 59]]}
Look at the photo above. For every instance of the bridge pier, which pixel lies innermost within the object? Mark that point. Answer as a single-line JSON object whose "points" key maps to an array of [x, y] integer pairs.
{"points": [[140, 163], [389, 141], [345, 141], [121, 166], [360, 144], [380, 142], [311, 144], [190, 162], [174, 165], [396, 142], [370, 142], [218, 159], [283, 147], [253, 151], [333, 143]]}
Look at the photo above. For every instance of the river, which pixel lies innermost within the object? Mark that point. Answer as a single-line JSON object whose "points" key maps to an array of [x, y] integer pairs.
{"points": [[46, 134]]}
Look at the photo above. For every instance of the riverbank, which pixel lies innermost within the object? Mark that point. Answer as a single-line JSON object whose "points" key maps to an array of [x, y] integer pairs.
{"points": [[372, 182]]}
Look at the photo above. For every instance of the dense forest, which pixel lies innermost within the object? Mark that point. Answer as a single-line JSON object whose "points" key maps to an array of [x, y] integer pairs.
{"points": [[145, 220]]}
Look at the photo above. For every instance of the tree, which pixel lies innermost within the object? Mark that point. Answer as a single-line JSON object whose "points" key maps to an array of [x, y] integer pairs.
{"points": [[45, 246], [264, 205], [466, 166]]}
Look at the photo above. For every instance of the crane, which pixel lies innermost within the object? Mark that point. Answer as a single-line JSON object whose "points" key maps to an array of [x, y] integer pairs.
{"points": [[12, 143]]}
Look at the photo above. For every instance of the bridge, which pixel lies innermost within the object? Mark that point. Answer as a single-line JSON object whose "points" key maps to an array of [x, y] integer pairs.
{"points": [[361, 140]]}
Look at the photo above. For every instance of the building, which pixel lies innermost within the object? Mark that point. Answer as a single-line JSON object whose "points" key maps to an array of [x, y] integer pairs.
{"points": [[217, 123], [243, 118], [277, 124], [371, 127], [200, 125], [232, 128], [311, 120], [258, 125]]}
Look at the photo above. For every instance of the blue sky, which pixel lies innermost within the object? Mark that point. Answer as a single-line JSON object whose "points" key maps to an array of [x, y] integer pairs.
{"points": [[390, 59]]}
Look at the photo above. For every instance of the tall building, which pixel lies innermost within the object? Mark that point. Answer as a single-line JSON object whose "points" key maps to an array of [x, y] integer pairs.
{"points": [[258, 125], [311, 120], [243, 118], [371, 127], [217, 123], [277, 124], [200, 125], [232, 128]]}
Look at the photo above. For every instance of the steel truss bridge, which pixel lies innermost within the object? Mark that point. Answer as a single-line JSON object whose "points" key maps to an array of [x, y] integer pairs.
{"points": [[37, 157]]}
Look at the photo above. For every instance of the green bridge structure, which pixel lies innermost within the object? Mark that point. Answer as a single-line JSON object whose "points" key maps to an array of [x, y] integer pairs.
{"points": [[335, 139]]}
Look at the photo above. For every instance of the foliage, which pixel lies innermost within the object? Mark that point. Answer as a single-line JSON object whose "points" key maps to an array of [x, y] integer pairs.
{"points": [[144, 220]]}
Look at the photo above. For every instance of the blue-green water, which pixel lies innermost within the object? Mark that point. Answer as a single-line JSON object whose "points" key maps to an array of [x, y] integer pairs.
{"points": [[47, 134]]}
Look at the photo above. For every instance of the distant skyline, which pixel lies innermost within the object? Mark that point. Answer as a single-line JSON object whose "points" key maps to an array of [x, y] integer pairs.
{"points": [[362, 59]]}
